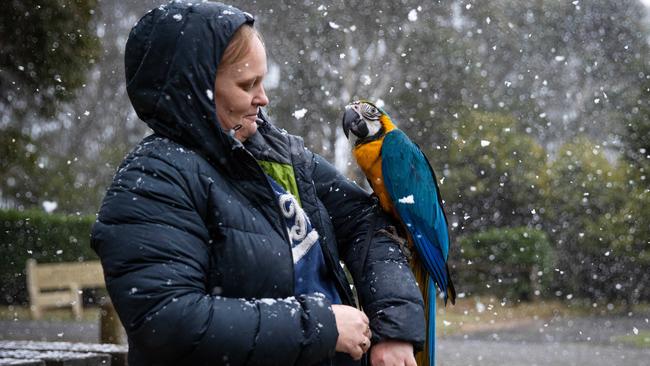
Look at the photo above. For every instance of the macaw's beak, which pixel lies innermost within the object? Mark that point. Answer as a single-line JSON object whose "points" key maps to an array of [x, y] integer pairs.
{"points": [[353, 122]]}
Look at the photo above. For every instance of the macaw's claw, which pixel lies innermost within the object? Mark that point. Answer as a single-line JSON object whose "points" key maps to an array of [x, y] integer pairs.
{"points": [[391, 233]]}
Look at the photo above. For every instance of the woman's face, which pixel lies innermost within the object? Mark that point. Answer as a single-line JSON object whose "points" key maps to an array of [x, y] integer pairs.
{"points": [[239, 91]]}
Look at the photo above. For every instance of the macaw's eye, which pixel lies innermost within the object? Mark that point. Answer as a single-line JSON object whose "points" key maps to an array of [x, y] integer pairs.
{"points": [[373, 110]]}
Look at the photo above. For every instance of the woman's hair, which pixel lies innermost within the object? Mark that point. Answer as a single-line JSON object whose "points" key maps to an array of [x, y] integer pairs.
{"points": [[239, 45]]}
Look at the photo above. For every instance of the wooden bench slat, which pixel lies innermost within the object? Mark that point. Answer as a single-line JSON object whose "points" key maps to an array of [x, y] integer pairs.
{"points": [[56, 298], [59, 275]]}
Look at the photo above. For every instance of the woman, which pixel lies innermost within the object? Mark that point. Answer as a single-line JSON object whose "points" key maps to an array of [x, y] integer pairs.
{"points": [[221, 236]]}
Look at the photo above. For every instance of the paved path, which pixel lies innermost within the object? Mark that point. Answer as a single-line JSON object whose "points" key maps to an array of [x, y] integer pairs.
{"points": [[500, 353], [595, 330], [560, 341]]}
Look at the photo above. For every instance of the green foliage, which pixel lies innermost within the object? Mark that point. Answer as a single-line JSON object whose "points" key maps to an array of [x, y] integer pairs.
{"points": [[584, 188], [44, 237], [508, 262], [29, 178], [46, 50], [18, 167], [626, 233], [637, 133], [639, 340], [46, 47], [495, 174]]}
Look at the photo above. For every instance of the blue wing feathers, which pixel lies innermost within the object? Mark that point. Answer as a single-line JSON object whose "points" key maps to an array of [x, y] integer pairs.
{"points": [[412, 186]]}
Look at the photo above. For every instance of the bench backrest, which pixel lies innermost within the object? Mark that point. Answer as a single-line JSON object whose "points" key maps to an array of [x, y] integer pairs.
{"points": [[50, 276]]}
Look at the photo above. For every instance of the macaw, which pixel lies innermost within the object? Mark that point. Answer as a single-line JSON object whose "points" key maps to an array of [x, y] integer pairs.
{"points": [[406, 186]]}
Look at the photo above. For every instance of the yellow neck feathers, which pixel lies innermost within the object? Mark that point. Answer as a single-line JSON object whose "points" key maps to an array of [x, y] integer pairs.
{"points": [[368, 157], [387, 123]]}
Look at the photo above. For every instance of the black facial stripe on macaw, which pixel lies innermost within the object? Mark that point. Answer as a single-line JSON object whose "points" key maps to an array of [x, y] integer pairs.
{"points": [[360, 128]]}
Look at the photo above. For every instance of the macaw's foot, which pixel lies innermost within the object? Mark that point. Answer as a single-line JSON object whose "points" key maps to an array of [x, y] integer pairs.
{"points": [[391, 232]]}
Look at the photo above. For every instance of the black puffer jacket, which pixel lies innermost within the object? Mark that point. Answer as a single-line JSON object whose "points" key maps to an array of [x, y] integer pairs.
{"points": [[194, 249]]}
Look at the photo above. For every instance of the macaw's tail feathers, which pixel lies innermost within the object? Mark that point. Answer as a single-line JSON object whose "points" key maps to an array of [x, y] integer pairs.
{"points": [[426, 287], [431, 326], [451, 290], [439, 271]]}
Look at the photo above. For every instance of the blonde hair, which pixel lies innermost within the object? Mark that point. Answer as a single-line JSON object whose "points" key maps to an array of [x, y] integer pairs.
{"points": [[239, 45]]}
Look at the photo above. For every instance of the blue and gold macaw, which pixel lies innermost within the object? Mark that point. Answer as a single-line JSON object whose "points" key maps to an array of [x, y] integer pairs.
{"points": [[403, 180]]}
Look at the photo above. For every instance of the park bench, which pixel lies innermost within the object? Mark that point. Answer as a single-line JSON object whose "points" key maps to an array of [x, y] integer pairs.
{"points": [[61, 353], [54, 285]]}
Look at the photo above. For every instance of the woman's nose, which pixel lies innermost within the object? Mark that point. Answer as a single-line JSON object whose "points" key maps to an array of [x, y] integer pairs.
{"points": [[261, 98]]}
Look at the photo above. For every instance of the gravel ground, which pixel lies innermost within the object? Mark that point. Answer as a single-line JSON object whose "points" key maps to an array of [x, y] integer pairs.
{"points": [[453, 352]]}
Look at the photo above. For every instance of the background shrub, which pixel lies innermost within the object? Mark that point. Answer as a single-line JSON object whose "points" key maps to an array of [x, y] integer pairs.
{"points": [[506, 262], [44, 237]]}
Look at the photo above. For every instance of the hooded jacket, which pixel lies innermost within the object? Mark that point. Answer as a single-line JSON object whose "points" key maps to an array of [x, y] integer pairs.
{"points": [[195, 252]]}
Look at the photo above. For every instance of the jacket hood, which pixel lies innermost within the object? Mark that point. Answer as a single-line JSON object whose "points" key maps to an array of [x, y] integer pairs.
{"points": [[171, 60]]}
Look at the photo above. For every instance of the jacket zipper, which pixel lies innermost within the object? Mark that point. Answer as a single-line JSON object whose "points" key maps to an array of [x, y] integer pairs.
{"points": [[336, 267], [285, 234]]}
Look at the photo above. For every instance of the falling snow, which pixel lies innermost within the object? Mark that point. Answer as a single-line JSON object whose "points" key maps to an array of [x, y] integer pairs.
{"points": [[50, 206], [556, 91], [300, 113], [413, 15]]}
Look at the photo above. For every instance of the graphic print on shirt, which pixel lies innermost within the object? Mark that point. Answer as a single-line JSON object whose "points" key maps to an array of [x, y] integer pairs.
{"points": [[301, 240], [311, 274]]}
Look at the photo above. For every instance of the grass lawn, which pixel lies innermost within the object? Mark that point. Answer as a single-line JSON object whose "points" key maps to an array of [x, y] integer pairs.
{"points": [[640, 340]]}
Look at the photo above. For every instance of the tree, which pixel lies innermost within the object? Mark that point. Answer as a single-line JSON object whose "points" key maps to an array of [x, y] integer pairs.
{"points": [[564, 68], [45, 47], [515, 263], [637, 133], [626, 234], [631, 224], [428, 62], [584, 188], [18, 167], [98, 127], [494, 175], [327, 54]]}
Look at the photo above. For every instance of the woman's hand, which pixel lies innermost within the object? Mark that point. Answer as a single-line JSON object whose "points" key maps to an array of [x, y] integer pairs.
{"points": [[392, 353], [354, 331]]}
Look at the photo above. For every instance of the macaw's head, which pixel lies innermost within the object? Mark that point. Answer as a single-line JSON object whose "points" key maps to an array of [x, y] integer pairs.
{"points": [[366, 121]]}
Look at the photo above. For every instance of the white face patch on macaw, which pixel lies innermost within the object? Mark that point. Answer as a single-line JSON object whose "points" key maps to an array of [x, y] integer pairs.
{"points": [[373, 126], [370, 115]]}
